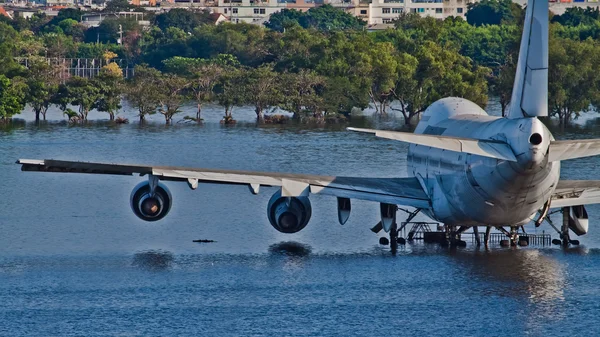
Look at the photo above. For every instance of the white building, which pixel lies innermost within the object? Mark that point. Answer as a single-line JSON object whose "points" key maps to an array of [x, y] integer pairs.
{"points": [[385, 11], [248, 10]]}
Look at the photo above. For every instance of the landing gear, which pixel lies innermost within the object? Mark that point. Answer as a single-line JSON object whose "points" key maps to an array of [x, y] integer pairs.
{"points": [[476, 233], [453, 237], [565, 238], [394, 239], [564, 230], [513, 237]]}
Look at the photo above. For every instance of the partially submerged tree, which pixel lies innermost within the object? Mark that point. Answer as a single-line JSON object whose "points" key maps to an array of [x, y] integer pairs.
{"points": [[170, 98], [78, 91], [301, 94], [142, 91], [110, 85], [42, 85], [262, 89], [574, 78], [229, 92], [383, 74], [203, 74]]}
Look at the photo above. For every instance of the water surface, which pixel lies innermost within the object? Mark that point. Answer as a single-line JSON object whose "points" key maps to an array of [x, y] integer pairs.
{"points": [[74, 260]]}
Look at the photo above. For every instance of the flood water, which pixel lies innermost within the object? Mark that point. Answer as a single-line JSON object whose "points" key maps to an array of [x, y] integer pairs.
{"points": [[74, 260]]}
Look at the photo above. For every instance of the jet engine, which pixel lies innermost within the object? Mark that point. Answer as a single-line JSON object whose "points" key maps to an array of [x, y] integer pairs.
{"points": [[150, 206], [288, 214], [578, 220]]}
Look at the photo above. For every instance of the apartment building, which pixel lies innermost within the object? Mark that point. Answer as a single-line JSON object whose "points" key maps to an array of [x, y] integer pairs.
{"points": [[385, 11], [250, 11]]}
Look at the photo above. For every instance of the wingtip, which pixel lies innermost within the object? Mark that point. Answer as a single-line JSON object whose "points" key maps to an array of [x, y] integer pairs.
{"points": [[30, 161], [361, 130]]}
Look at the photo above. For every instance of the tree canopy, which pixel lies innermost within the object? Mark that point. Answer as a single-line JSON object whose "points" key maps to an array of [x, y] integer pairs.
{"points": [[493, 12], [313, 64], [323, 18]]}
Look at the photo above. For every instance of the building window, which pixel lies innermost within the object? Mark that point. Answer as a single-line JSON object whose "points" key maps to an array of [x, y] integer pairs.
{"points": [[459, 10], [225, 10], [438, 11], [255, 10], [363, 12], [234, 10], [421, 10], [396, 10], [386, 20], [385, 10], [413, 10], [262, 11]]}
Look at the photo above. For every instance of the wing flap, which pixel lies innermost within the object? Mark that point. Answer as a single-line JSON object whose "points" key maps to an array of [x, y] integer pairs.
{"points": [[576, 192], [485, 148], [401, 191]]}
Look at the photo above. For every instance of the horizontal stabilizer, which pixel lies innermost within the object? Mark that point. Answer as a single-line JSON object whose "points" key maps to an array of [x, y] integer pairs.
{"points": [[485, 148], [571, 149]]}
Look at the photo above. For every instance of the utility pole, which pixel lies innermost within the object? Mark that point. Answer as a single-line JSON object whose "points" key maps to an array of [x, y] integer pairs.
{"points": [[120, 41]]}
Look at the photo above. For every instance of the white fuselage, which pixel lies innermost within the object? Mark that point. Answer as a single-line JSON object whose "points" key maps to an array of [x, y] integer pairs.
{"points": [[468, 189]]}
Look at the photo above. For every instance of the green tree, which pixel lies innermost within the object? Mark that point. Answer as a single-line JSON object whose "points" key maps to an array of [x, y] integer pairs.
{"points": [[501, 84], [78, 91], [492, 12], [115, 6], [68, 13], [575, 16], [229, 93], [12, 98], [72, 28], [170, 88], [142, 91], [284, 19], [327, 17], [302, 94], [9, 39], [204, 75], [574, 77], [110, 84], [262, 89], [184, 19], [42, 82], [382, 72], [438, 73], [59, 45]]}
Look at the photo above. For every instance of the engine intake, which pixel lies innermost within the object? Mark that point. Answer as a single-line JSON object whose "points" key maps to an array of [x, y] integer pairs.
{"points": [[288, 214], [150, 207], [578, 220]]}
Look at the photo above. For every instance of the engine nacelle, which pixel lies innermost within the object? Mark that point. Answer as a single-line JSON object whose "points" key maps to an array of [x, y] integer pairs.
{"points": [[578, 220], [288, 214], [150, 207]]}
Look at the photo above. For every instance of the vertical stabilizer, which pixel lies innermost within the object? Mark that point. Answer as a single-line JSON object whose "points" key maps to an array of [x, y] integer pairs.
{"points": [[530, 91]]}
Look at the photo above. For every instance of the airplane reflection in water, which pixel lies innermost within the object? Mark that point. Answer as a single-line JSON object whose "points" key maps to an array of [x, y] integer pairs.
{"points": [[468, 169]]}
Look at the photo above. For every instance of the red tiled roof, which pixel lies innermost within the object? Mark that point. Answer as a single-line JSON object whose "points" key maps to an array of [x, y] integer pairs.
{"points": [[4, 12]]}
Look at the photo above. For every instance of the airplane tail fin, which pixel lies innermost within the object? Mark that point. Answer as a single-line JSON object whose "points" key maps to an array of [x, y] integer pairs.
{"points": [[530, 91]]}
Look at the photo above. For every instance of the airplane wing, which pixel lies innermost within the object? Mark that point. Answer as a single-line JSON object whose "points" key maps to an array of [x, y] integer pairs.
{"points": [[485, 148], [397, 191], [575, 193], [571, 149]]}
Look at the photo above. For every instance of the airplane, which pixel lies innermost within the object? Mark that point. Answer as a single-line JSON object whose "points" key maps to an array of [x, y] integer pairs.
{"points": [[468, 169]]}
